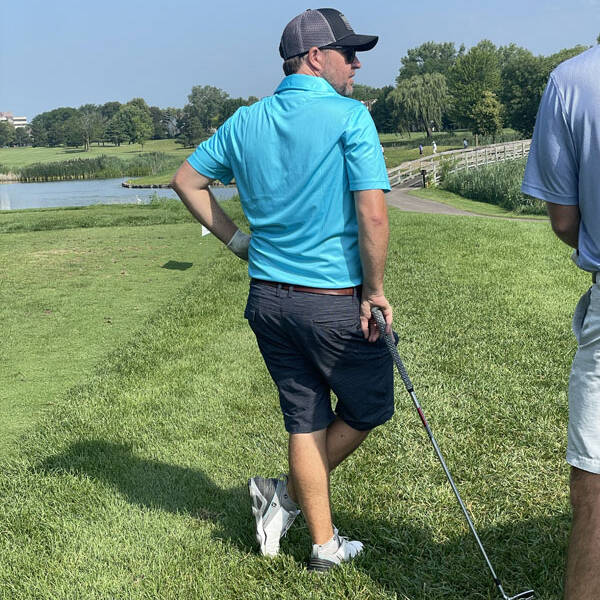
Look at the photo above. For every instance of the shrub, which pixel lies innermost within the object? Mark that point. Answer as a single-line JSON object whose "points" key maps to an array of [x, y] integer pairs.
{"points": [[499, 183]]}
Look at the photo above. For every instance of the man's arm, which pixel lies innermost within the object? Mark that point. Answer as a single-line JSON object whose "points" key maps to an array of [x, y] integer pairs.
{"points": [[373, 236], [565, 222], [192, 188]]}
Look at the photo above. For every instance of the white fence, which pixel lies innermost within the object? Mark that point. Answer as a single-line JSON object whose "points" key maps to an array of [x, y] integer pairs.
{"points": [[429, 167]]}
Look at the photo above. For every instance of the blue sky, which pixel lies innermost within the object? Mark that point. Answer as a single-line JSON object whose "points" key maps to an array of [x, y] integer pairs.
{"points": [[69, 53]]}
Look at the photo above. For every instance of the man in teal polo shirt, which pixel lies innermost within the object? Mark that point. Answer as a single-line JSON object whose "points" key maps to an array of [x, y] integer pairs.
{"points": [[311, 176]]}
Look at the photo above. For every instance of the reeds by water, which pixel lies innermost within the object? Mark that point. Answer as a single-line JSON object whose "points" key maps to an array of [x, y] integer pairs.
{"points": [[101, 167], [498, 183]]}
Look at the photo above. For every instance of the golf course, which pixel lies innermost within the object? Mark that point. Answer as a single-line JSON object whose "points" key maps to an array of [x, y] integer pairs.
{"points": [[135, 406]]}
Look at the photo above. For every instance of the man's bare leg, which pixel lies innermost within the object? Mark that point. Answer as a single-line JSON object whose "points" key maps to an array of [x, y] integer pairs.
{"points": [[312, 456], [583, 564]]}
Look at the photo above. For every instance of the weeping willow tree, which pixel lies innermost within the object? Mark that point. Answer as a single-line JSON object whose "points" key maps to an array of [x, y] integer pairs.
{"points": [[421, 99]]}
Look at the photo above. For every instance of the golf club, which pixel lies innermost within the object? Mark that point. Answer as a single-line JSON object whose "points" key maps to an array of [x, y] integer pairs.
{"points": [[378, 315]]}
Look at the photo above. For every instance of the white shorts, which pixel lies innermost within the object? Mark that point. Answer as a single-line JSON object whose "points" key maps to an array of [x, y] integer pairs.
{"points": [[583, 448]]}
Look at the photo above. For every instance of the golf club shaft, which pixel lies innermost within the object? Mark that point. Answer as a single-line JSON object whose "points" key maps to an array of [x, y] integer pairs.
{"points": [[377, 314]]}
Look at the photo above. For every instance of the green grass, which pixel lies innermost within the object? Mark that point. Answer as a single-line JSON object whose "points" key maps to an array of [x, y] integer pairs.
{"points": [[480, 208], [15, 158], [159, 211], [70, 294], [132, 485], [395, 156]]}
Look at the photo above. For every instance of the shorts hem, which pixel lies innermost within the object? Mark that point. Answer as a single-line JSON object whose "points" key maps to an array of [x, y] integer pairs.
{"points": [[362, 426], [585, 464], [307, 428]]}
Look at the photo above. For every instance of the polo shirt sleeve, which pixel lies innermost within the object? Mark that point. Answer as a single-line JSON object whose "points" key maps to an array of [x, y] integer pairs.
{"points": [[365, 164], [552, 169], [211, 157]]}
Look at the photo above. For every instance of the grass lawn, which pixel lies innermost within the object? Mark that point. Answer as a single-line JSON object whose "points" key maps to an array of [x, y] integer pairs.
{"points": [[480, 208], [69, 296], [15, 158], [132, 484], [395, 156]]}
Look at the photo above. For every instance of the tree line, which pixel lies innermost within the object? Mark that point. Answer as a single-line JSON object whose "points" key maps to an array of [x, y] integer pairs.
{"points": [[438, 86], [134, 122], [483, 89]]}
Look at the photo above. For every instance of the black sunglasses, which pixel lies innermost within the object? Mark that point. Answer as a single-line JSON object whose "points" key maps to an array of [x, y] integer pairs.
{"points": [[349, 54]]}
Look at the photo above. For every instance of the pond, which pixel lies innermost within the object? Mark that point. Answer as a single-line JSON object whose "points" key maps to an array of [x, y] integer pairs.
{"points": [[14, 196]]}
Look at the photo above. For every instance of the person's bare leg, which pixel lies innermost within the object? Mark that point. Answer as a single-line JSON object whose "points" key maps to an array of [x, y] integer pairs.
{"points": [[342, 441], [312, 457], [583, 563], [309, 472]]}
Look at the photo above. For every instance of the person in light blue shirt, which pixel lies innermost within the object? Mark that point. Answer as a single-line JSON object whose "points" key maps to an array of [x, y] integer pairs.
{"points": [[563, 169], [308, 165]]}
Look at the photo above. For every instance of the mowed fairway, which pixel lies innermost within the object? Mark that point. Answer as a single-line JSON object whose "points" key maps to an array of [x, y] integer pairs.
{"points": [[68, 297], [133, 483]]}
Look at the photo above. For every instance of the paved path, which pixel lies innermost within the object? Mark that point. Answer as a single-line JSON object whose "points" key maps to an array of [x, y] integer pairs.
{"points": [[401, 198]]}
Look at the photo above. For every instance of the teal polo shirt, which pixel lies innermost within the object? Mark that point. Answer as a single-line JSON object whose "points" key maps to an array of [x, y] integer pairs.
{"points": [[297, 156]]}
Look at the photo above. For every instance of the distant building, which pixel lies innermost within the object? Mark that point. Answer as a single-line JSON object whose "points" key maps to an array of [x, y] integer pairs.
{"points": [[17, 122]]}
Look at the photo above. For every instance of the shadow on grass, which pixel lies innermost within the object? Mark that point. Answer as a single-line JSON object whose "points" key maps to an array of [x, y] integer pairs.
{"points": [[159, 485], [176, 265], [400, 557]]}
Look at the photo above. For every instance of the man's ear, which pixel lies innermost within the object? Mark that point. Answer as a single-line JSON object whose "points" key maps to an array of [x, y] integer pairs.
{"points": [[315, 59]]}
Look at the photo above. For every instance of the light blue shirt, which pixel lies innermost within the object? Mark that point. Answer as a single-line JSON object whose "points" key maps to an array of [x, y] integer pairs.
{"points": [[564, 160], [297, 156]]}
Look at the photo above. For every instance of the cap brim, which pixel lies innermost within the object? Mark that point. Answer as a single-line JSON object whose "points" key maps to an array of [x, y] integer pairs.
{"points": [[360, 43]]}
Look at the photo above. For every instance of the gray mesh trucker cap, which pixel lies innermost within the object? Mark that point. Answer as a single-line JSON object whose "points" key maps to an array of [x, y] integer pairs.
{"points": [[321, 27]]}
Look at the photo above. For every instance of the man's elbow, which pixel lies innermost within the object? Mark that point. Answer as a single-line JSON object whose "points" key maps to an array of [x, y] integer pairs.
{"points": [[564, 229], [176, 181]]}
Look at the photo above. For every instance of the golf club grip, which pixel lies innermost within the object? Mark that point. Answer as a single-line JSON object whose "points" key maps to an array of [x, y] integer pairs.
{"points": [[389, 340]]}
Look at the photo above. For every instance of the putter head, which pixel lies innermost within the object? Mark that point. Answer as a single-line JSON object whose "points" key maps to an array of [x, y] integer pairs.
{"points": [[522, 595]]}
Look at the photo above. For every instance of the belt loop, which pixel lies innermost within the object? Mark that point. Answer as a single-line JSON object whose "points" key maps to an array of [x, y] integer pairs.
{"points": [[290, 291], [278, 290]]}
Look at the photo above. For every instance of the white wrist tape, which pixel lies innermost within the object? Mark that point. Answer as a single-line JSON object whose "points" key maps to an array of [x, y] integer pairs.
{"points": [[239, 243]]}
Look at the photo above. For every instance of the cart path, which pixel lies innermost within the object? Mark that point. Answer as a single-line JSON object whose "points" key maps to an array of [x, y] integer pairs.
{"points": [[402, 199]]}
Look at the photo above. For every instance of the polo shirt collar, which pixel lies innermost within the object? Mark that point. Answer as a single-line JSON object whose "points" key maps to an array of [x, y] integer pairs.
{"points": [[308, 83]]}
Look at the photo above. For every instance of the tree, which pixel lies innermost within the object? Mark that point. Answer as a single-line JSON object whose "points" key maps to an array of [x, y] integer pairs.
{"points": [[430, 57], [136, 121], [22, 137], [201, 114], [364, 92], [109, 110], [423, 99], [38, 131], [72, 131], [523, 78], [207, 104], [487, 115], [159, 125], [555, 59], [230, 105], [191, 131], [91, 124], [7, 134], [473, 73], [116, 130], [384, 112], [171, 118]]}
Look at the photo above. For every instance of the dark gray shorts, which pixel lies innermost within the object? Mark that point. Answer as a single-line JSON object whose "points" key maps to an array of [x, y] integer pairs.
{"points": [[312, 344]]}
